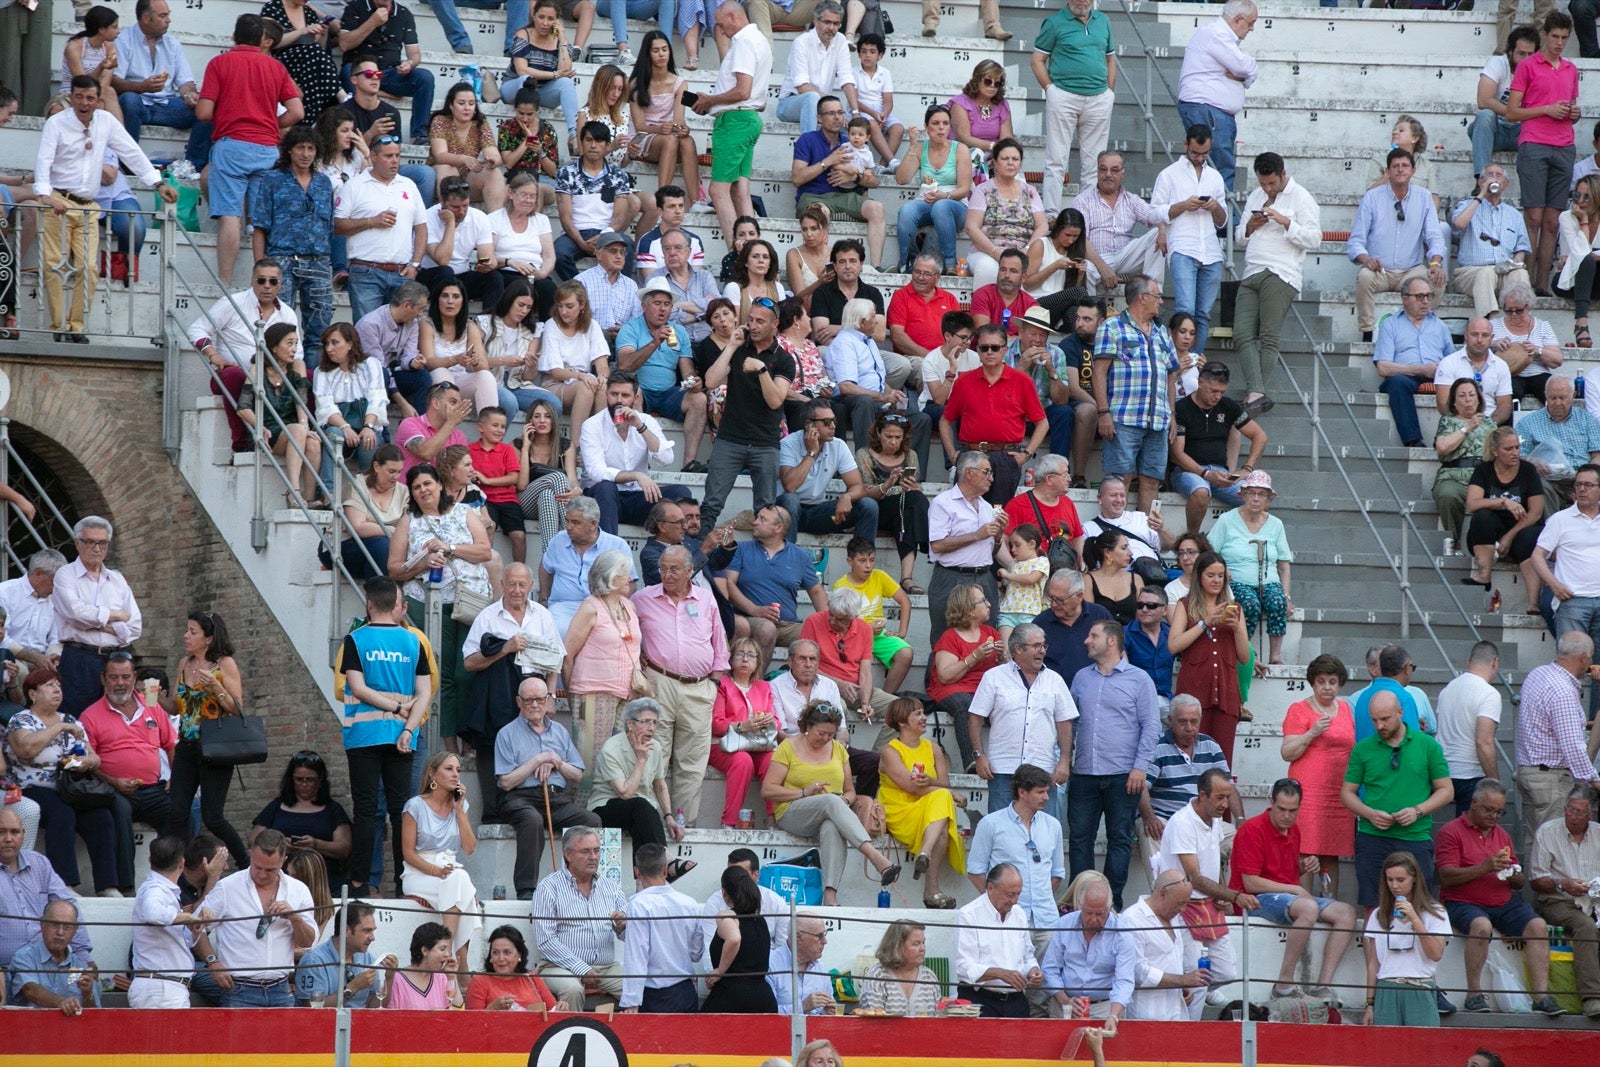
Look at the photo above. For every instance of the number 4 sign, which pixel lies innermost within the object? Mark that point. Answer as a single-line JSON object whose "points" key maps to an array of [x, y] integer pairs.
{"points": [[578, 1042]]}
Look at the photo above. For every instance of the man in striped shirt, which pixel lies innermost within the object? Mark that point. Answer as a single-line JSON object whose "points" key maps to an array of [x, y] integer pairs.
{"points": [[575, 914], [1551, 756], [1183, 754]]}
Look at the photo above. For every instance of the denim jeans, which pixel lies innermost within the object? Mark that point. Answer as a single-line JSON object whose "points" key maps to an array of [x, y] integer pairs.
{"points": [[817, 518], [665, 12], [1194, 289], [127, 226], [516, 18], [450, 22], [370, 288], [418, 85], [1584, 13], [362, 456], [426, 181], [1401, 389], [528, 394], [567, 256], [1490, 134], [311, 279], [1089, 796], [258, 996], [801, 108], [946, 216], [563, 91], [1000, 796], [169, 112], [1224, 132]]}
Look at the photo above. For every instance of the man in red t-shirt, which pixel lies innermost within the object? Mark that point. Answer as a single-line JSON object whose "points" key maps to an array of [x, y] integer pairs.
{"points": [[240, 93], [129, 738], [1003, 300], [916, 311], [845, 644], [495, 467], [1049, 493], [994, 405], [1479, 878], [1268, 863]]}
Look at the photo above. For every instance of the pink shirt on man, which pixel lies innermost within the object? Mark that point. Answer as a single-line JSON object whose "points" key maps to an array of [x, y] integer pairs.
{"points": [[1541, 84], [129, 748]]}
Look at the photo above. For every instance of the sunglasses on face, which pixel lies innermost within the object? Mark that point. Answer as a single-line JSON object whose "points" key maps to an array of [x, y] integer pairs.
{"points": [[991, 348], [995, 82], [269, 281], [368, 74]]}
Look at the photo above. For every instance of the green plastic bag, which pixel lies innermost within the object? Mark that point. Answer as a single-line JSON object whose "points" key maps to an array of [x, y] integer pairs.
{"points": [[187, 207]]}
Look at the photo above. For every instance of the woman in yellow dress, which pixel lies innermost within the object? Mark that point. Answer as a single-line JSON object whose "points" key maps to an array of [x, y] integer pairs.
{"points": [[919, 808]]}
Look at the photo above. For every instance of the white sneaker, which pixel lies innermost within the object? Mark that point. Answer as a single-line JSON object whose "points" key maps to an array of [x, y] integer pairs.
{"points": [[702, 206], [111, 893], [625, 58]]}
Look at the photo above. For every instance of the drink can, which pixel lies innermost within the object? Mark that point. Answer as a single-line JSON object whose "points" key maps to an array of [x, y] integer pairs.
{"points": [[919, 768], [961, 268], [1082, 1004], [621, 418], [747, 819], [436, 575], [499, 892]]}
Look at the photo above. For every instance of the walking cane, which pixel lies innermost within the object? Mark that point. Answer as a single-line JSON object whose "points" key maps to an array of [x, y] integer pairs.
{"points": [[549, 825], [1261, 612]]}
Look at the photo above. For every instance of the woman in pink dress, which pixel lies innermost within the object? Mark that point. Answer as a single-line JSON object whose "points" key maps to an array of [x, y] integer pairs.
{"points": [[744, 706], [426, 985], [602, 665], [1317, 737]]}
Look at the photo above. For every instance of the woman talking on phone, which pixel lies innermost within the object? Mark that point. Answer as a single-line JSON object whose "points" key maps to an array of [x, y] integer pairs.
{"points": [[434, 830]]}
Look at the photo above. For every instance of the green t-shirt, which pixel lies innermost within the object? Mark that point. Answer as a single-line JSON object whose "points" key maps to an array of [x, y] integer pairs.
{"points": [[616, 761], [1390, 788], [1077, 50]]}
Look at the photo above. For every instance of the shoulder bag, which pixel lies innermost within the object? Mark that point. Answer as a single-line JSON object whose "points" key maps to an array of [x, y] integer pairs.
{"points": [[83, 791], [233, 740], [760, 741], [1060, 551]]}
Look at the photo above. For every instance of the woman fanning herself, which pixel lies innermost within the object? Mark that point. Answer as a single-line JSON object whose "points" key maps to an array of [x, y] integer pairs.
{"points": [[661, 133], [919, 807], [1210, 639]]}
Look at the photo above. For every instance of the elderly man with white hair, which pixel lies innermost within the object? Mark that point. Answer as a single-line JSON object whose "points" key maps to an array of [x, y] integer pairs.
{"points": [[865, 382], [1213, 79], [1550, 753], [1030, 712], [96, 614], [844, 641], [963, 530], [564, 568], [1089, 957], [30, 618]]}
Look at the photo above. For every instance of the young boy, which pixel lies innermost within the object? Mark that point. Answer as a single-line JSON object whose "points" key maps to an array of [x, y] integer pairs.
{"points": [[875, 96], [673, 204], [859, 131], [891, 650], [494, 467]]}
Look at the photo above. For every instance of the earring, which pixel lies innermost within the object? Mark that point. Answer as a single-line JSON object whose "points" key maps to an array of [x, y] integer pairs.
{"points": [[432, 784]]}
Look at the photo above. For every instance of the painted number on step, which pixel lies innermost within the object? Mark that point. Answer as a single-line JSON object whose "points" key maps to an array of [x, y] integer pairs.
{"points": [[832, 926], [180, 302], [947, 9], [897, 51], [1296, 685], [488, 29], [962, 57], [1250, 742], [769, 852], [685, 851]]}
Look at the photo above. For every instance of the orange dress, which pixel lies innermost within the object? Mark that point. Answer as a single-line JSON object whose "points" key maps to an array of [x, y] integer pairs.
{"points": [[1327, 828]]}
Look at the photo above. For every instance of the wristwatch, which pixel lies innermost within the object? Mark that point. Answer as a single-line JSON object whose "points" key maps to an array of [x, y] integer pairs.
{"points": [[210, 959]]}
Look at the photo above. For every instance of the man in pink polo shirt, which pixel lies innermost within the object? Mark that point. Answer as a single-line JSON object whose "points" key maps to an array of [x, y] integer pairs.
{"points": [[423, 437], [129, 738], [1544, 98]]}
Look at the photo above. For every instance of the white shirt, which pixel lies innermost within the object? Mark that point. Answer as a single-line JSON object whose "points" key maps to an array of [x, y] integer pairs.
{"points": [[788, 702], [984, 939], [935, 365], [365, 197], [471, 232], [1583, 167], [1187, 834], [953, 514], [1572, 540], [537, 625], [749, 52], [870, 88], [232, 322], [827, 66], [339, 386], [1211, 55], [1462, 703], [1498, 70], [1159, 954], [557, 351], [236, 944], [1493, 382], [158, 945], [1141, 539], [1271, 247], [665, 943], [774, 909], [1193, 233], [1399, 951], [1541, 337], [1022, 718], [605, 455], [82, 605], [30, 619], [64, 164], [527, 245]]}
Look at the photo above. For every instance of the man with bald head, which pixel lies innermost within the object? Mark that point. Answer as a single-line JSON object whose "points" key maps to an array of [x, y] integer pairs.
{"points": [[1494, 248], [1397, 778], [1565, 427], [815, 984], [539, 768], [1478, 361], [27, 884], [1164, 988], [1089, 958], [49, 972], [995, 965], [513, 638]]}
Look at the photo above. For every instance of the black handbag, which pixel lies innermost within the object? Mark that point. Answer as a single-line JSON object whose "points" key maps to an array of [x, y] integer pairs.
{"points": [[233, 740], [83, 791], [1060, 552]]}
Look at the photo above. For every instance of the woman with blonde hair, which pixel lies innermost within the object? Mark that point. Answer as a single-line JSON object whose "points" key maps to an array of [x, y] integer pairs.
{"points": [[1505, 513], [1579, 251], [307, 866], [602, 666], [900, 983], [1406, 935], [818, 1054], [919, 806], [574, 358], [967, 649], [436, 830]]}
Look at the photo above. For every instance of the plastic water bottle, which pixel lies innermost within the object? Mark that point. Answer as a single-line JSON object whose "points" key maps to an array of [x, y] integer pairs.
{"points": [[1398, 900], [1005, 320], [1204, 964], [1577, 387], [679, 819], [1327, 884], [883, 897], [436, 575]]}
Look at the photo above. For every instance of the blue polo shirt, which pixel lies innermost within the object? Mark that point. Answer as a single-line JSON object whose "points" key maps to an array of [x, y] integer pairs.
{"points": [[659, 373], [1064, 650], [569, 568], [1000, 838], [1358, 707], [773, 579], [812, 148], [33, 965], [319, 970]]}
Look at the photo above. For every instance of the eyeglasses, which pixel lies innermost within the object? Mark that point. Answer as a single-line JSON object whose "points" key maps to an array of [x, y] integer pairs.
{"points": [[986, 472], [1062, 601], [832, 112], [388, 138], [1509, 310], [262, 926], [820, 937], [825, 422], [1420, 296], [991, 348], [97, 543], [269, 281], [533, 700], [763, 302], [1399, 211], [1586, 485]]}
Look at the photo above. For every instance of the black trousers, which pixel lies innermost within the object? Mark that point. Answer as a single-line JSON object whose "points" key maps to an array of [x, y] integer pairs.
{"points": [[482, 286], [149, 804], [80, 679], [636, 817], [524, 810], [372, 766], [994, 1005], [191, 773]]}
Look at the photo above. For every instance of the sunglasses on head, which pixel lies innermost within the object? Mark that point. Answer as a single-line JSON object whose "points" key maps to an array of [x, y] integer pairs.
{"points": [[896, 420], [763, 302], [388, 138]]}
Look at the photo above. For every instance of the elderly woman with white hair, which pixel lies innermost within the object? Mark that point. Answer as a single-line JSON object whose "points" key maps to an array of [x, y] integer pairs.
{"points": [[1529, 345], [845, 641], [602, 665], [630, 783]]}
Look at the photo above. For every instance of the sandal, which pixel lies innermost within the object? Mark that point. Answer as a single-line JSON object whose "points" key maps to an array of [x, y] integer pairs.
{"points": [[678, 868], [692, 63], [912, 589], [889, 875], [1580, 335], [920, 868], [939, 901]]}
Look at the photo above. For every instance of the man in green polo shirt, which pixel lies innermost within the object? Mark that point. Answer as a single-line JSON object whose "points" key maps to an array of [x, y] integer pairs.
{"points": [[1396, 779], [1075, 62]]}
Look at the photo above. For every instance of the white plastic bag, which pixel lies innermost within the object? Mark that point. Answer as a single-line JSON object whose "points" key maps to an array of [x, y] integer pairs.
{"points": [[1510, 994]]}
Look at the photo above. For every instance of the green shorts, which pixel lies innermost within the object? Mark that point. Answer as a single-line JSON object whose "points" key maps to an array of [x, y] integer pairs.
{"points": [[885, 646], [847, 204], [734, 135]]}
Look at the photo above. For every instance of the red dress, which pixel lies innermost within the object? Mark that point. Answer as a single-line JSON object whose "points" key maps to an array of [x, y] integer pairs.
{"points": [[1208, 670], [1327, 828]]}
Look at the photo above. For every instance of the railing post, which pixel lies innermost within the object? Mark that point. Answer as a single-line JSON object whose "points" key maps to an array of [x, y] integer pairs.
{"points": [[5, 515], [797, 1012], [341, 1021], [1149, 89], [1405, 578], [258, 518], [171, 412], [433, 626], [1316, 409], [1247, 1028], [334, 444]]}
